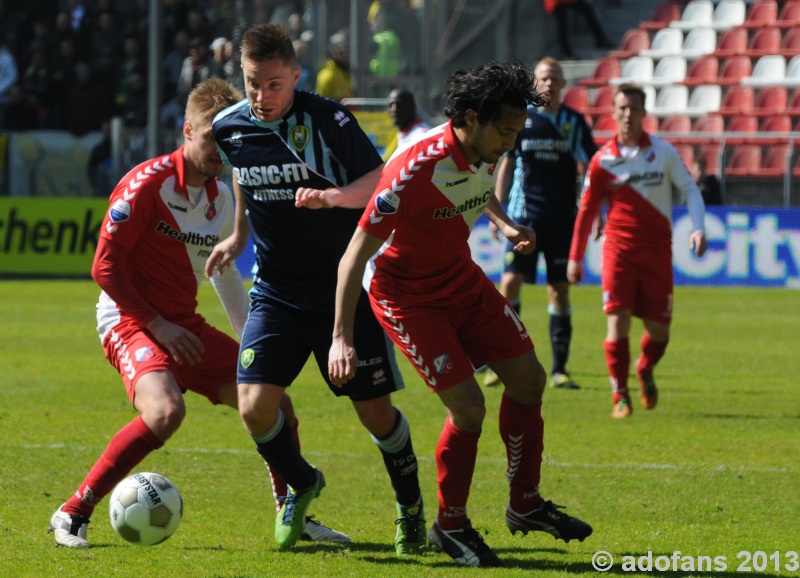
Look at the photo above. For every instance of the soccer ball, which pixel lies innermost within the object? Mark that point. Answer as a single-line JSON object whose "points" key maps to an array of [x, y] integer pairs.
{"points": [[145, 509]]}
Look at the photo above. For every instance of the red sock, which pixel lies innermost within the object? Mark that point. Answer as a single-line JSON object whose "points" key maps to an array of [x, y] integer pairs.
{"points": [[455, 463], [124, 452], [618, 360], [280, 489], [522, 431], [652, 352]]}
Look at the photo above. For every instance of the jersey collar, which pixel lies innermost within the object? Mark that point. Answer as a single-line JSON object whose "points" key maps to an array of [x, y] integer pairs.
{"points": [[452, 144], [644, 142], [180, 177]]}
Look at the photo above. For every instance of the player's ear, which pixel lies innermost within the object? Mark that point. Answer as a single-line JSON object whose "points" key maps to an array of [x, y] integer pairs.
{"points": [[188, 132]]}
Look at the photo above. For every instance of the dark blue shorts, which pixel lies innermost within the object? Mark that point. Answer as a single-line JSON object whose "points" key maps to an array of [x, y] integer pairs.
{"points": [[278, 339], [553, 241]]}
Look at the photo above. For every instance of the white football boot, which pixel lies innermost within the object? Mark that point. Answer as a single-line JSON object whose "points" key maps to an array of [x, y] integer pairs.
{"points": [[69, 531], [316, 532]]}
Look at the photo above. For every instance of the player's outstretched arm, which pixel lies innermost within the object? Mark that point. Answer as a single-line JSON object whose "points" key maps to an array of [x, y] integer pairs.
{"points": [[524, 238], [342, 358], [356, 195]]}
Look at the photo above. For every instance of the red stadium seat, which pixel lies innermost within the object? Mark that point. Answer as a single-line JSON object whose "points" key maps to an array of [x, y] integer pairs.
{"points": [[734, 69], [576, 97], [742, 124], [771, 100], [633, 42], [604, 128], [603, 101], [702, 71], [687, 153], [650, 124], [707, 129], [765, 41], [738, 100], [790, 45], [678, 123], [789, 15], [744, 161], [762, 13], [710, 153], [665, 13], [793, 106], [774, 163], [776, 128], [606, 68], [731, 42]]}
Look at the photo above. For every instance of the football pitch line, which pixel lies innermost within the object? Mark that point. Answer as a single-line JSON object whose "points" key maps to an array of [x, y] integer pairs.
{"points": [[719, 468]]}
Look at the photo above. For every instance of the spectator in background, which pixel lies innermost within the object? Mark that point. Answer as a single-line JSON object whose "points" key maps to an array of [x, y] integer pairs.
{"points": [[8, 76], [21, 111], [171, 114], [100, 166], [130, 68], [225, 66], [302, 48], [386, 62], [134, 112], [199, 66], [561, 10], [36, 84], [402, 109], [708, 184], [87, 102], [333, 81], [173, 62]]}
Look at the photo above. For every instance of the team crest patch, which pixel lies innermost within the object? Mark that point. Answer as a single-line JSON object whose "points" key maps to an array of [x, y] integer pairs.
{"points": [[387, 202], [210, 211], [144, 354], [509, 257], [299, 137], [568, 129], [443, 364], [120, 211], [248, 355]]}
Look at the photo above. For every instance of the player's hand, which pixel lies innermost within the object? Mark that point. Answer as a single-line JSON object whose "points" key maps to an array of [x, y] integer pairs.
{"points": [[183, 345], [342, 362], [313, 198], [223, 254], [697, 241], [524, 238], [574, 271]]}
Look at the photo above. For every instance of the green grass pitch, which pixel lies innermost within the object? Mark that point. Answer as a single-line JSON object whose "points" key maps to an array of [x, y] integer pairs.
{"points": [[713, 471]]}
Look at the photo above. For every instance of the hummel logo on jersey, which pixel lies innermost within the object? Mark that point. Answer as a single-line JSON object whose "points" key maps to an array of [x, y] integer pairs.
{"points": [[177, 207], [455, 183], [190, 238], [473, 203], [341, 118], [272, 174]]}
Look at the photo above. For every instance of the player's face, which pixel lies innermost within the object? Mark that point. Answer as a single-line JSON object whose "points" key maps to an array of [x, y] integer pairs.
{"points": [[629, 113], [202, 153], [401, 109], [269, 85], [550, 80], [492, 140]]}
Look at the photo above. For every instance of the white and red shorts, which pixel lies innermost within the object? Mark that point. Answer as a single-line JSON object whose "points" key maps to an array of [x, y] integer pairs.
{"points": [[134, 352]]}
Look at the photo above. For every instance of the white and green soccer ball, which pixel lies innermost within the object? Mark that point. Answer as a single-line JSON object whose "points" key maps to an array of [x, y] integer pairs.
{"points": [[145, 509]]}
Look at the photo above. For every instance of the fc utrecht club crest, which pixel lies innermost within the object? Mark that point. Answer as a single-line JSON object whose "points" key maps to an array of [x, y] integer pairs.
{"points": [[144, 354], [210, 211], [443, 364], [299, 137]]}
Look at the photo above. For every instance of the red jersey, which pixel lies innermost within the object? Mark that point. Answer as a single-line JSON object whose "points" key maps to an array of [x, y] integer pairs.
{"points": [[639, 195], [167, 232], [425, 205]]}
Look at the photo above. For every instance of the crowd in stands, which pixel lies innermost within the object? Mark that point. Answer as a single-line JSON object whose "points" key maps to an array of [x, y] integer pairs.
{"points": [[73, 64]]}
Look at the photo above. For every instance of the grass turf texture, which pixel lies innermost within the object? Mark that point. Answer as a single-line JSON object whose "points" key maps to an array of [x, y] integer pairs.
{"points": [[712, 471]]}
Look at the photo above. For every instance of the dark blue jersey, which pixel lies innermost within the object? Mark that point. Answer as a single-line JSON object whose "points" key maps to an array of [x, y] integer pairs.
{"points": [[317, 144], [546, 157]]}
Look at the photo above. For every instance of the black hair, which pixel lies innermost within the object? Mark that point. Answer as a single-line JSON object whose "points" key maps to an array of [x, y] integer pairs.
{"points": [[488, 86]]}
